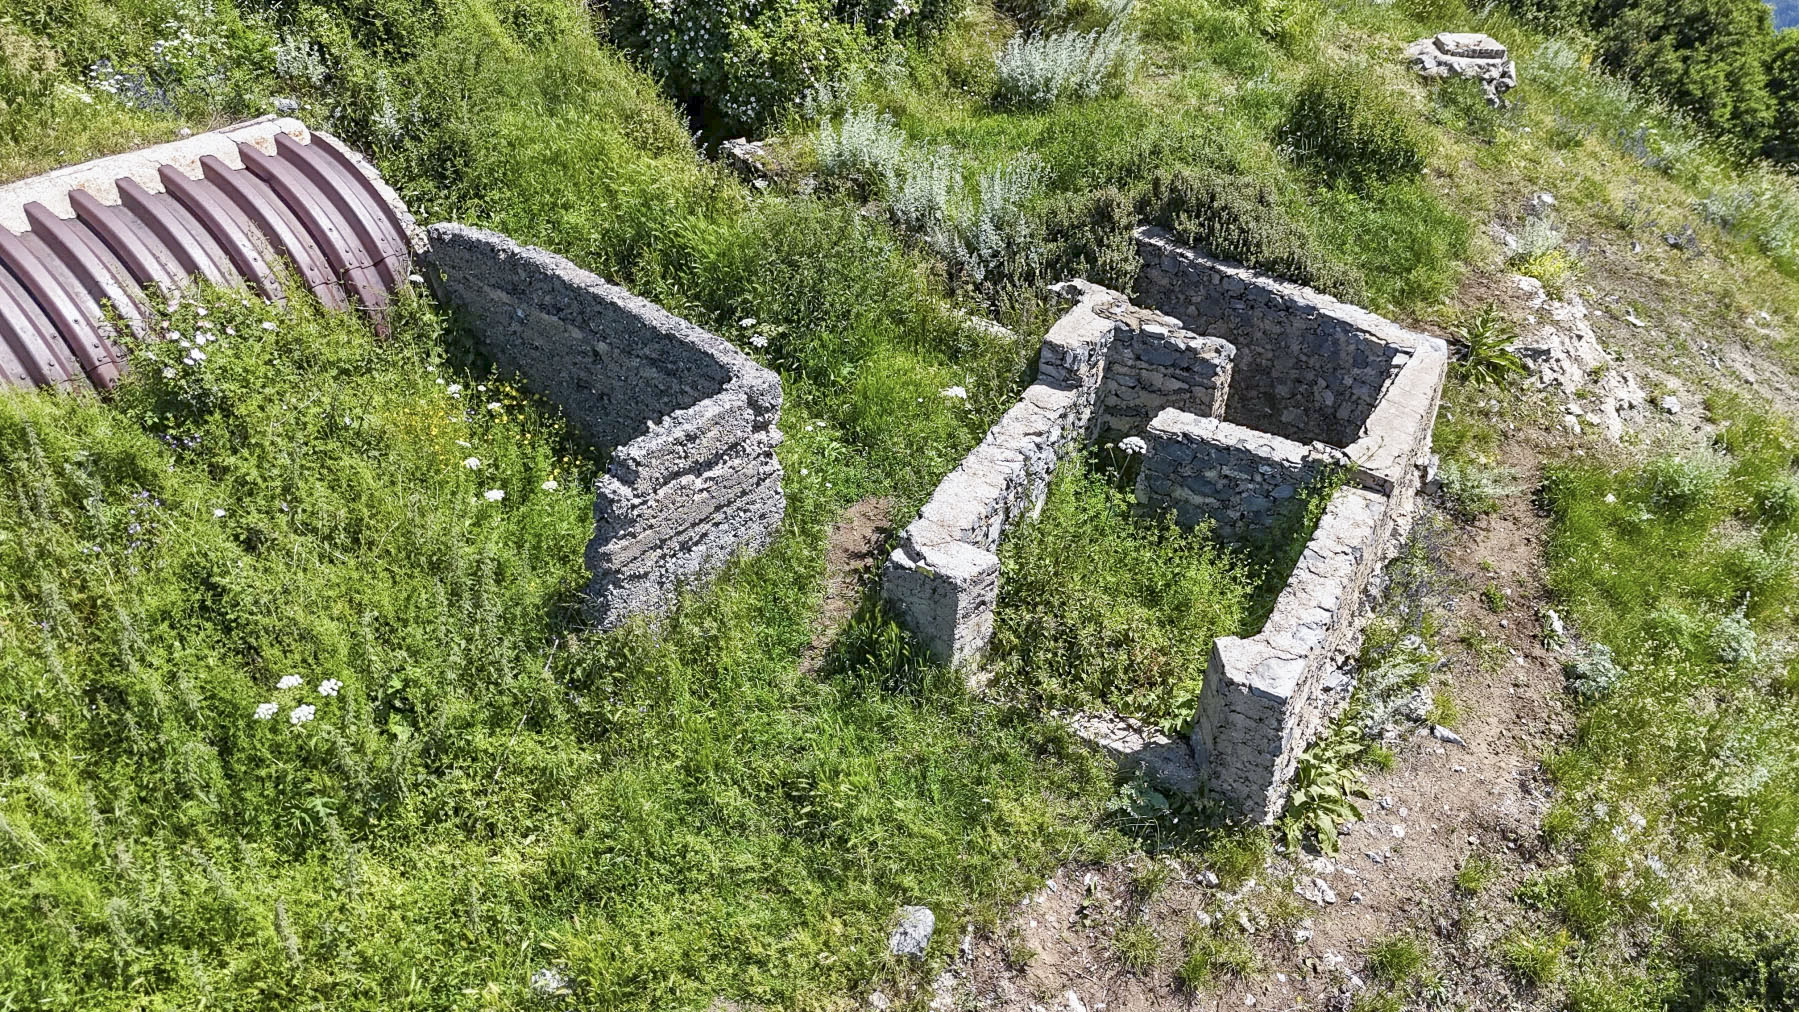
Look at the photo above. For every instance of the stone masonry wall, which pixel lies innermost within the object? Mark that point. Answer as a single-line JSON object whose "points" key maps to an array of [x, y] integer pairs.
{"points": [[1248, 482], [1263, 701], [691, 421], [1308, 367], [943, 579], [1153, 364]]}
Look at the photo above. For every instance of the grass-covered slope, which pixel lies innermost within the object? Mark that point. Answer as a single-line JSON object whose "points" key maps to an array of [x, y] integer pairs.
{"points": [[451, 788]]}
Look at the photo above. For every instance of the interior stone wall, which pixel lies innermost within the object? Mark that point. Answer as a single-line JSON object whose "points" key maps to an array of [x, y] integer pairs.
{"points": [[1153, 364], [1308, 366], [1248, 483], [691, 421]]}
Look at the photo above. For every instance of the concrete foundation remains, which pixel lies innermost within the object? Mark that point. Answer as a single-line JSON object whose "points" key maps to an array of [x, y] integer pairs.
{"points": [[1247, 393], [693, 479], [943, 579]]}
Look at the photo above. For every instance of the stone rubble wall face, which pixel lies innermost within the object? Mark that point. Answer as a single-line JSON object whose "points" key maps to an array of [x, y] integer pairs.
{"points": [[1153, 364], [1247, 482], [693, 478], [1263, 701], [943, 579], [1308, 366]]}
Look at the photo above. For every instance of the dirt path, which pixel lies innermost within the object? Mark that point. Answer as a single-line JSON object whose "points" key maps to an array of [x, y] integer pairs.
{"points": [[852, 557], [1312, 921]]}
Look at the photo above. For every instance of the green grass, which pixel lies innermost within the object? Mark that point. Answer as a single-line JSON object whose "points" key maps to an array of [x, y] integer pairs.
{"points": [[1137, 948], [1397, 961], [1680, 565], [666, 814], [1101, 608]]}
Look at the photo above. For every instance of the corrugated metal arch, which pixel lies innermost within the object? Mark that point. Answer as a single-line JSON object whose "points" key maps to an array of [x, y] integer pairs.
{"points": [[65, 279]]}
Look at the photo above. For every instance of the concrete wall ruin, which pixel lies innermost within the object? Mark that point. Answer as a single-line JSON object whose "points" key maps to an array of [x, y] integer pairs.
{"points": [[1285, 385], [693, 479]]}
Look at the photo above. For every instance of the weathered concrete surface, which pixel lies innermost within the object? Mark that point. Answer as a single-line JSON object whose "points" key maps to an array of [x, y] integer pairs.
{"points": [[943, 579], [693, 479], [100, 177], [1247, 482], [1466, 54], [1136, 748], [1308, 366], [1263, 701]]}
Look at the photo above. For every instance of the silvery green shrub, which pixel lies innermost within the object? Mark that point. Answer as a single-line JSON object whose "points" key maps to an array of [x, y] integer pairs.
{"points": [[1040, 70], [865, 144], [1594, 673]]}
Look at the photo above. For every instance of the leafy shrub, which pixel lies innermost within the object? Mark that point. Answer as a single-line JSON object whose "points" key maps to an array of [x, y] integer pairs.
{"points": [[1101, 608], [1777, 500], [864, 145], [1682, 484], [1593, 673], [1707, 58], [743, 63], [1762, 207], [1040, 70], [1484, 354], [1325, 787], [987, 235], [1092, 235], [1734, 640], [1350, 129], [1238, 219], [1474, 488], [1543, 254], [1782, 144]]}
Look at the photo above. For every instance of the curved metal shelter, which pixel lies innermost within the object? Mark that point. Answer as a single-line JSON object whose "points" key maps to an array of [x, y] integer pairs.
{"points": [[89, 249]]}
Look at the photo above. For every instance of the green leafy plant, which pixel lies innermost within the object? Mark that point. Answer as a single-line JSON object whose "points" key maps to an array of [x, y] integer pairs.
{"points": [[1397, 961], [1484, 349], [1345, 125], [1325, 787], [1536, 958]]}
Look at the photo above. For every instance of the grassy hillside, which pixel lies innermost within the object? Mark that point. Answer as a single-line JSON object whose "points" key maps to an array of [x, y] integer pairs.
{"points": [[674, 814]]}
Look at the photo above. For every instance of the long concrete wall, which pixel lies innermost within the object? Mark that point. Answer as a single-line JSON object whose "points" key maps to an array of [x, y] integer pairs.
{"points": [[1263, 701], [691, 421], [943, 579], [1308, 366]]}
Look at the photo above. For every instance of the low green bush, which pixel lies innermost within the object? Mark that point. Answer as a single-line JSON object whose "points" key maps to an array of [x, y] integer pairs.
{"points": [[1238, 219], [743, 65], [1349, 128]]}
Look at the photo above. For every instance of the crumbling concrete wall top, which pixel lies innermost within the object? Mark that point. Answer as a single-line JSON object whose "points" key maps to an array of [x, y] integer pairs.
{"points": [[691, 421]]}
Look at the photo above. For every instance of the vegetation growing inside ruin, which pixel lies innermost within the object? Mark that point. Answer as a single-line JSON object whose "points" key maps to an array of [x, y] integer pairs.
{"points": [[672, 815], [1103, 609]]}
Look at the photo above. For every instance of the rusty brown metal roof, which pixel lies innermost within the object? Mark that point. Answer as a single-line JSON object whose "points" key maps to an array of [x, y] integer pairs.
{"points": [[67, 283]]}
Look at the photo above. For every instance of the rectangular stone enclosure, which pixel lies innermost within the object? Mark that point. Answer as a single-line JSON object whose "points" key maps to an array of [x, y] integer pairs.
{"points": [[690, 420], [1240, 391]]}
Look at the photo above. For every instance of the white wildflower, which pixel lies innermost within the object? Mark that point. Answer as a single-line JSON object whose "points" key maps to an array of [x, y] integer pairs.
{"points": [[199, 310], [415, 279], [290, 682], [268, 324], [759, 340], [493, 405], [473, 463], [329, 687], [218, 514], [550, 486], [495, 494], [454, 390], [168, 372], [747, 322], [302, 714], [954, 393], [267, 711]]}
